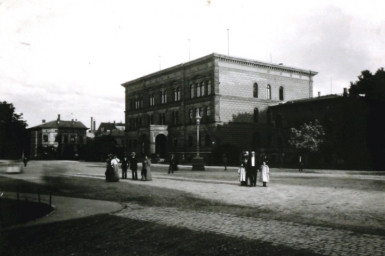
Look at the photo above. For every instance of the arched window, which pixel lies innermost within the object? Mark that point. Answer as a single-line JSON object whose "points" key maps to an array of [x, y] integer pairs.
{"points": [[255, 90], [268, 92], [281, 93], [256, 115]]}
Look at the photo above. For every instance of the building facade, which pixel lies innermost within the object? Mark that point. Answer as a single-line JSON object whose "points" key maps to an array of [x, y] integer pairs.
{"points": [[58, 139], [344, 120], [231, 95]]}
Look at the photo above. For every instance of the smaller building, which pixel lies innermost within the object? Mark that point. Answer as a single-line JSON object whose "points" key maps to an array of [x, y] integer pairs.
{"points": [[58, 139], [115, 130], [344, 120]]}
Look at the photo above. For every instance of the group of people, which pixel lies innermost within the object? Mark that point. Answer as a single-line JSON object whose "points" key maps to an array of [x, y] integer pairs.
{"points": [[112, 167], [249, 169]]}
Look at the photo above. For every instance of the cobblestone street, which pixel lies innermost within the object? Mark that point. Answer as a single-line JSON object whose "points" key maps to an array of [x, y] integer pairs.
{"points": [[326, 241]]}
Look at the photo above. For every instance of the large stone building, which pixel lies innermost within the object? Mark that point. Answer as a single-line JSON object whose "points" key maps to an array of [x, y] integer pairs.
{"points": [[230, 94], [57, 139]]}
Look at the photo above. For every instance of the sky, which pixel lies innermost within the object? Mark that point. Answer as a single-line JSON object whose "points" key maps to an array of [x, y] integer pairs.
{"points": [[70, 57]]}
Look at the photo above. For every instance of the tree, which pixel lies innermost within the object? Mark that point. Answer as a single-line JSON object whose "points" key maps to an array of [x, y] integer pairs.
{"points": [[307, 138], [372, 86], [13, 137]]}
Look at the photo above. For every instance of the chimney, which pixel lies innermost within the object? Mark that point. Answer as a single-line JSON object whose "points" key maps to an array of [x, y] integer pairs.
{"points": [[94, 127], [92, 123], [58, 117], [345, 94], [43, 121], [319, 94]]}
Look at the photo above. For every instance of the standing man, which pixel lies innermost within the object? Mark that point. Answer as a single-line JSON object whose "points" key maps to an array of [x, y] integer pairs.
{"points": [[125, 164], [134, 166], [254, 169], [300, 164], [172, 166], [225, 160]]}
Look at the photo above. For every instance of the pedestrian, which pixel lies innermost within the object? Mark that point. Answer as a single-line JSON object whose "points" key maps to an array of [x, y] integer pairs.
{"points": [[134, 166], [265, 173], [172, 166], [125, 164], [146, 169], [242, 169], [109, 170], [254, 169], [115, 167], [300, 164], [25, 161], [225, 160]]}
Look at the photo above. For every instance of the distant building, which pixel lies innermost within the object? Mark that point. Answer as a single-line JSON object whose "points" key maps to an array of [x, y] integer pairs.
{"points": [[57, 139], [115, 130], [232, 95]]}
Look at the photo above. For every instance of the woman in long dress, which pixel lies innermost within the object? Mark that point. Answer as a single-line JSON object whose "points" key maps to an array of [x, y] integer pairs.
{"points": [[115, 165], [265, 173], [242, 170], [146, 169]]}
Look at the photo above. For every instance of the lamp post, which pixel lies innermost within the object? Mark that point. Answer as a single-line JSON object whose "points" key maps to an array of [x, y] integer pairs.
{"points": [[198, 118], [197, 162]]}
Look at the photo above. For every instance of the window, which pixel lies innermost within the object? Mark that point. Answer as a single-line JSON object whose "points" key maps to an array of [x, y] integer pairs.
{"points": [[281, 93], [255, 90], [191, 115], [162, 118], [45, 138], [164, 97], [175, 117], [256, 115], [198, 90], [208, 112], [208, 87], [152, 100], [203, 89], [268, 92], [192, 91], [177, 94]]}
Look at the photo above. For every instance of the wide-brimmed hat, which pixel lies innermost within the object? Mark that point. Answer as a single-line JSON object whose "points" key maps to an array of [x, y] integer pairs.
{"points": [[133, 153]]}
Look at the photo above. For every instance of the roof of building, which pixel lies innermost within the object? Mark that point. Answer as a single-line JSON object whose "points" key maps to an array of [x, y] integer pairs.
{"points": [[238, 60], [310, 100], [61, 124]]}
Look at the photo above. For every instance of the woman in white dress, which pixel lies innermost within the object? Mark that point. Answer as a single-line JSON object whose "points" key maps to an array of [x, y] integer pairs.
{"points": [[265, 173]]}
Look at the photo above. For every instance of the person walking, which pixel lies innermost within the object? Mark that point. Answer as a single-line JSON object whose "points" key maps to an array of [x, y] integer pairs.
{"points": [[134, 166], [25, 161], [125, 164], [146, 169], [115, 166], [172, 166], [265, 173], [225, 160]]}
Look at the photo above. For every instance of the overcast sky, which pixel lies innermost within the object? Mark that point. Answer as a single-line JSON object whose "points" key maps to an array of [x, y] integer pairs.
{"points": [[70, 57]]}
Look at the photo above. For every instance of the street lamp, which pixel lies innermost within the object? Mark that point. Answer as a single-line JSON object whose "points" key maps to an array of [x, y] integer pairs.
{"points": [[198, 118], [197, 162]]}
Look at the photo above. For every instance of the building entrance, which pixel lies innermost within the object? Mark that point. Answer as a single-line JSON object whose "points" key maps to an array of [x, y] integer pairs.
{"points": [[161, 145]]}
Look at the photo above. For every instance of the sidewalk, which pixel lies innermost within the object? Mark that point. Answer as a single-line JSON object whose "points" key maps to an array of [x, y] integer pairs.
{"points": [[67, 208]]}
